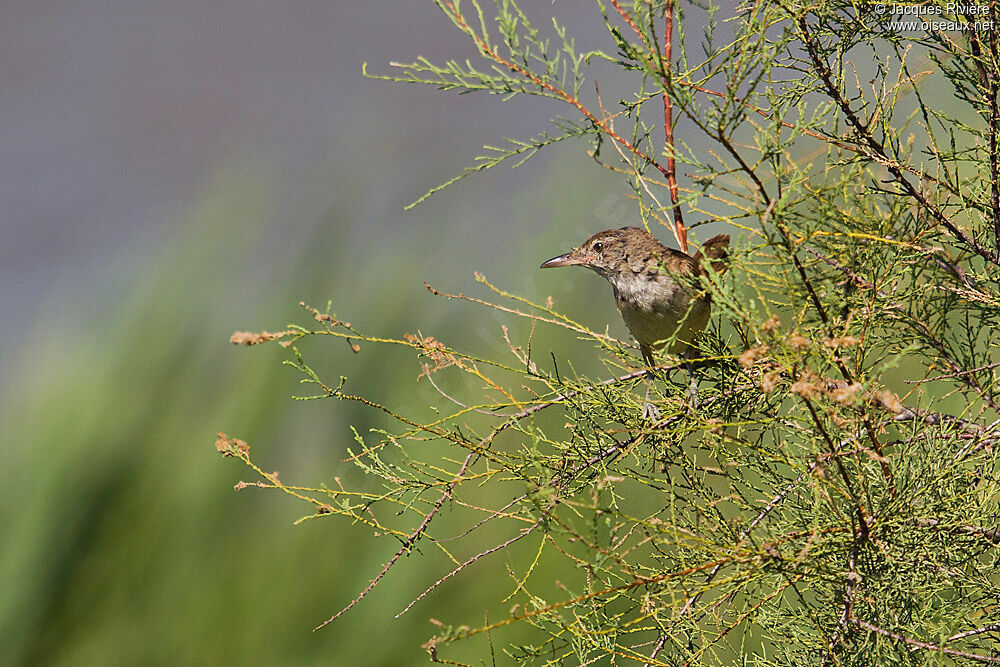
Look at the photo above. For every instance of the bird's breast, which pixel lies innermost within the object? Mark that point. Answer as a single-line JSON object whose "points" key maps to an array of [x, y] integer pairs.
{"points": [[650, 292], [656, 307]]}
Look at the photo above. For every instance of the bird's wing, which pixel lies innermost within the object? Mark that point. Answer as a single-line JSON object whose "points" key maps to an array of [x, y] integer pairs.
{"points": [[677, 261], [715, 250]]}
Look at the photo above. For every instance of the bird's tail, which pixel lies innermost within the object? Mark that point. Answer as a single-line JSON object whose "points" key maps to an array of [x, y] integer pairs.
{"points": [[714, 249]]}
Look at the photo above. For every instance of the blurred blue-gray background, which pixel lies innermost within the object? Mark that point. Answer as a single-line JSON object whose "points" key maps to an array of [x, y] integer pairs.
{"points": [[173, 172]]}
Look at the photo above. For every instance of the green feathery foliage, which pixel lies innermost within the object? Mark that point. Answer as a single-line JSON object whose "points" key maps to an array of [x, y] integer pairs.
{"points": [[833, 495]]}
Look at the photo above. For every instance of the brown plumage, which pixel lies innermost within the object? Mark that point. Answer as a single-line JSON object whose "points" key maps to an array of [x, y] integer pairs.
{"points": [[655, 304]]}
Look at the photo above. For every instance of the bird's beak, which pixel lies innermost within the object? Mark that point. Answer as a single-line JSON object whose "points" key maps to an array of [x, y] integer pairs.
{"points": [[562, 260]]}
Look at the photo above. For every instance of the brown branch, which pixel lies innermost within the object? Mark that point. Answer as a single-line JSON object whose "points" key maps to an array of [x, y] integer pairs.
{"points": [[656, 650], [925, 645], [967, 379], [656, 427], [851, 582], [761, 112], [628, 19], [957, 371], [732, 626], [994, 122], [988, 82], [817, 304], [430, 378], [416, 534], [884, 160], [858, 280], [858, 505], [841, 366], [727, 144], [935, 418], [531, 409]]}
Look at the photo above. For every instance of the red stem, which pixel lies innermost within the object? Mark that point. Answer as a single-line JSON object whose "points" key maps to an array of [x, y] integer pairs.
{"points": [[680, 231]]}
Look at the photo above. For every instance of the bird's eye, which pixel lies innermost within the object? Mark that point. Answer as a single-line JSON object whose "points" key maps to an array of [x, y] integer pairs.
{"points": [[598, 247]]}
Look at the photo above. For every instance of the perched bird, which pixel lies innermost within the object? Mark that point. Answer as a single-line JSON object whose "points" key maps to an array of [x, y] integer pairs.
{"points": [[652, 285]]}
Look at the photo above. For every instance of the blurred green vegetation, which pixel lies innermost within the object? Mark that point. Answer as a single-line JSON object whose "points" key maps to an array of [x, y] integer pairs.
{"points": [[124, 541]]}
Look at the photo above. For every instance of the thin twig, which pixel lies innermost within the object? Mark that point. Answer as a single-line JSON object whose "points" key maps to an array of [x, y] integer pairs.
{"points": [[521, 313], [878, 149], [512, 419], [524, 533], [486, 49], [993, 627], [412, 539], [693, 600], [955, 374], [989, 534]]}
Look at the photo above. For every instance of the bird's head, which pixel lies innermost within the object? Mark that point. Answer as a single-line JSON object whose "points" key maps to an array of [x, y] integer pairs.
{"points": [[605, 252]]}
